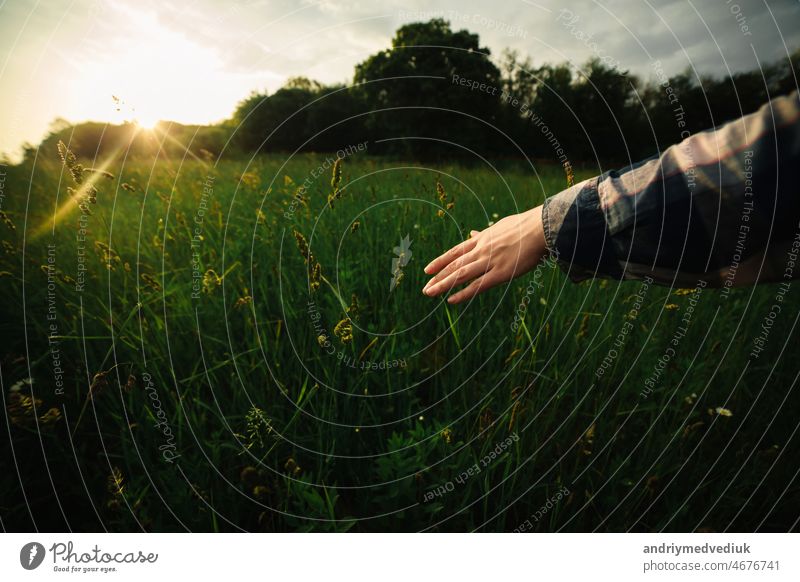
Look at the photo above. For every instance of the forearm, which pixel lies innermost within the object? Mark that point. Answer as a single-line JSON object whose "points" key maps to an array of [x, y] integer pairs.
{"points": [[722, 206]]}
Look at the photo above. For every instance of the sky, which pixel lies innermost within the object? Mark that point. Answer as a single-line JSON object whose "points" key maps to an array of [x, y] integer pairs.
{"points": [[193, 61]]}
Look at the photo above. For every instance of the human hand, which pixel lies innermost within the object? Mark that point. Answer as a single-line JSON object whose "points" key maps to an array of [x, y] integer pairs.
{"points": [[511, 247]]}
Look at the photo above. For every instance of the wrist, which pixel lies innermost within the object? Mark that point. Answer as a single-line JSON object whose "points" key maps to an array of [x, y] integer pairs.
{"points": [[536, 231]]}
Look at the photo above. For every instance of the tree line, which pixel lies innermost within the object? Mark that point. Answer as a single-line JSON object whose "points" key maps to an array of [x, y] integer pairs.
{"points": [[436, 93]]}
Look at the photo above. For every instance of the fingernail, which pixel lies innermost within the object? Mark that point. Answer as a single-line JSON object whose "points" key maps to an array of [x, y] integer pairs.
{"points": [[427, 269]]}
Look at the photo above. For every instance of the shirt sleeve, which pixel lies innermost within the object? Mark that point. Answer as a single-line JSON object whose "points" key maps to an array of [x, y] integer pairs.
{"points": [[722, 206]]}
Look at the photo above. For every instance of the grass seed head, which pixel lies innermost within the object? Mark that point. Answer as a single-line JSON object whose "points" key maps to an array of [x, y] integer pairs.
{"points": [[344, 331], [352, 311], [336, 174], [151, 282], [7, 220], [211, 281]]}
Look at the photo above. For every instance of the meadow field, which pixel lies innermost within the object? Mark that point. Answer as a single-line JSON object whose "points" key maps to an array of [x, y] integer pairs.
{"points": [[192, 344]]}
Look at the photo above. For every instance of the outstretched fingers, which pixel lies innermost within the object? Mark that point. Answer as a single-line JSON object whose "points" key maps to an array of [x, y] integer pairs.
{"points": [[442, 261], [455, 276], [479, 285], [459, 263]]}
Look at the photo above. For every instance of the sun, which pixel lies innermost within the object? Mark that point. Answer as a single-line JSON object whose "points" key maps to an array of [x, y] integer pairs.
{"points": [[148, 122]]}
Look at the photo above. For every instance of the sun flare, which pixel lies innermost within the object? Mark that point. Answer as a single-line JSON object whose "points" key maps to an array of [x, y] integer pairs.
{"points": [[147, 122]]}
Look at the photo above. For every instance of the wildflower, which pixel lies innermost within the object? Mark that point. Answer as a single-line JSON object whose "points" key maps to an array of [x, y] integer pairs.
{"points": [[354, 226], [344, 331], [671, 306], [322, 340], [261, 218], [723, 411], [681, 292], [211, 281]]}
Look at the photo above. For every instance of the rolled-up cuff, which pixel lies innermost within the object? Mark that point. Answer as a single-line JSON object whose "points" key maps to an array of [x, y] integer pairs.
{"points": [[576, 235]]}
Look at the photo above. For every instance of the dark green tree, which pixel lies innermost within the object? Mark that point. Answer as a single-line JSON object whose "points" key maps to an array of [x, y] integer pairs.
{"points": [[411, 87]]}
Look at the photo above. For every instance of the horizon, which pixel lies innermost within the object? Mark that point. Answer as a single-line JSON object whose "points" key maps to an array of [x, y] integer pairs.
{"points": [[114, 62]]}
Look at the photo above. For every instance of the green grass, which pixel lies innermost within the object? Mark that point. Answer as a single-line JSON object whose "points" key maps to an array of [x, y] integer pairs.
{"points": [[269, 431]]}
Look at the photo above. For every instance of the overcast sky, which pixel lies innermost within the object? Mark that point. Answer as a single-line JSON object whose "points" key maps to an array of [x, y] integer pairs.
{"points": [[193, 61]]}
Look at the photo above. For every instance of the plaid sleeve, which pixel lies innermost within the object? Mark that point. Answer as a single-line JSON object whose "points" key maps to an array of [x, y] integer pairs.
{"points": [[722, 206]]}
